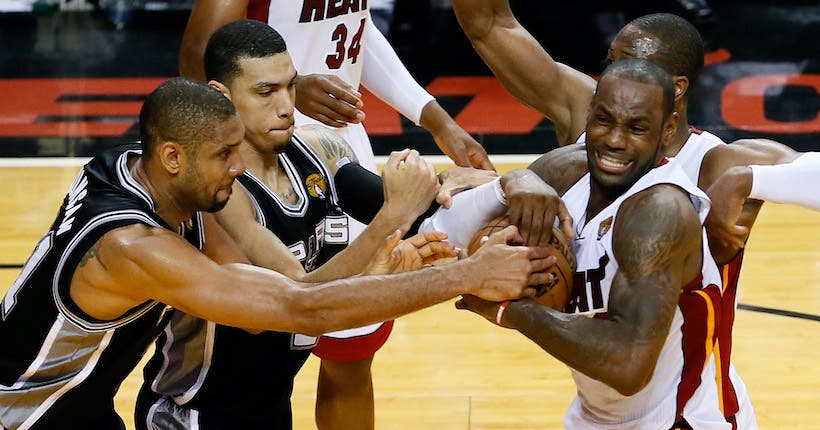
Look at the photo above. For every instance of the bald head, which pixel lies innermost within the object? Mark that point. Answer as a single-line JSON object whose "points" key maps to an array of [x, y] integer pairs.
{"points": [[678, 48]]}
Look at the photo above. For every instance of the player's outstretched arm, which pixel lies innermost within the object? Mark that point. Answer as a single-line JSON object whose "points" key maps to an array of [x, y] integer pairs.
{"points": [[524, 68], [206, 17], [132, 264], [789, 183], [385, 75], [728, 226], [409, 186], [655, 260]]}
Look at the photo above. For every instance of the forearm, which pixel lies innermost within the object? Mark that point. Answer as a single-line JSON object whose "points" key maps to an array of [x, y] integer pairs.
{"points": [[471, 210], [792, 183], [340, 304], [609, 356], [385, 76], [353, 259]]}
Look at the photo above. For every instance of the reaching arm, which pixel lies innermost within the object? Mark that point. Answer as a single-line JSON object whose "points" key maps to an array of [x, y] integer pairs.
{"points": [[732, 217], [132, 264], [409, 187], [206, 17], [655, 261], [385, 76], [526, 70]]}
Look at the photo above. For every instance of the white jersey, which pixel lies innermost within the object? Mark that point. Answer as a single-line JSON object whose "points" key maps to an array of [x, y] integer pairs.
{"points": [[690, 157], [735, 397], [683, 385], [335, 30]]}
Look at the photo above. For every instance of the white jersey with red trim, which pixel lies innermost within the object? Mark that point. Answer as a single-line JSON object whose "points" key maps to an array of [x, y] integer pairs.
{"points": [[683, 384], [336, 30], [734, 396], [690, 157]]}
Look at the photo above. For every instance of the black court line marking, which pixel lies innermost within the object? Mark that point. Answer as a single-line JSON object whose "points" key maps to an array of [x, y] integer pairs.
{"points": [[780, 312], [11, 266]]}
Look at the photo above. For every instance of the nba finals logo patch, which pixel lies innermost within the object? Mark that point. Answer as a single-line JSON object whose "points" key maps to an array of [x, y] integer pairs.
{"points": [[315, 184], [604, 227]]}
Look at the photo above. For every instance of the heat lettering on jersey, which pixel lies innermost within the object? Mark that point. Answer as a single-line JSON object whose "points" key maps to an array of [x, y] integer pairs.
{"points": [[587, 294], [317, 10], [75, 195]]}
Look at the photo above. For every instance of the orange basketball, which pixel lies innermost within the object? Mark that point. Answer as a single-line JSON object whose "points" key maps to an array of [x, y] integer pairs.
{"points": [[555, 294]]}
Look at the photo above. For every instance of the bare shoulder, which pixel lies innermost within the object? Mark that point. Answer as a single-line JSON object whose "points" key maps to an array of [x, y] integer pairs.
{"points": [[562, 167], [656, 226], [328, 144]]}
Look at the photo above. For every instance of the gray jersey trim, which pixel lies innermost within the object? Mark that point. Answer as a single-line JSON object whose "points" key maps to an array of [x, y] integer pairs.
{"points": [[38, 405], [296, 210], [318, 161], [96, 222], [128, 182]]}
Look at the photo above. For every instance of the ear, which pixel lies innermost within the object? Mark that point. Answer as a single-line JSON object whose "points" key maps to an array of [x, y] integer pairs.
{"points": [[681, 88], [219, 86], [170, 154], [669, 128]]}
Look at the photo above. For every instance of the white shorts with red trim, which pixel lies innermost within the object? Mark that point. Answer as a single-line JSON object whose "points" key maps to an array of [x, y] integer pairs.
{"points": [[353, 344]]}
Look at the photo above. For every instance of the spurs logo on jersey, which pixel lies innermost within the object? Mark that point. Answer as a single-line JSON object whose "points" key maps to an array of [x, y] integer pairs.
{"points": [[314, 229]]}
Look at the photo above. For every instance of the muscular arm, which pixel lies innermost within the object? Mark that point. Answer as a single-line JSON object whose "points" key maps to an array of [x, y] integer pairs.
{"points": [[206, 17], [132, 264], [655, 260], [385, 76], [561, 168], [727, 236], [557, 91]]}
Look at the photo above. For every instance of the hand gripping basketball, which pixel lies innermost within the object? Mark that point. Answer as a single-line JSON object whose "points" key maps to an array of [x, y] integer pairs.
{"points": [[556, 293]]}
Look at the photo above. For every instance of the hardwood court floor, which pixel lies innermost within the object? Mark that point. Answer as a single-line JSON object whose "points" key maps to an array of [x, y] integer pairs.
{"points": [[446, 369]]}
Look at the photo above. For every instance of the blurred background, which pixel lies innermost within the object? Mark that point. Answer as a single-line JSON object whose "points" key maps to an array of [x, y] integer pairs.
{"points": [[94, 60]]}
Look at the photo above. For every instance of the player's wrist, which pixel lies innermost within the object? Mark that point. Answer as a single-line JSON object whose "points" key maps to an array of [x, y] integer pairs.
{"points": [[499, 316]]}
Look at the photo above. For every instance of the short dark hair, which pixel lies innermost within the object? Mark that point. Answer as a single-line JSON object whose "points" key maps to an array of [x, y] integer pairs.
{"points": [[681, 47], [182, 110], [239, 39], [646, 72]]}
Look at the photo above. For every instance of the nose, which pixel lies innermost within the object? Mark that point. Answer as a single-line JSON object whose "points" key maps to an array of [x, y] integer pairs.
{"points": [[238, 167], [616, 138], [286, 104]]}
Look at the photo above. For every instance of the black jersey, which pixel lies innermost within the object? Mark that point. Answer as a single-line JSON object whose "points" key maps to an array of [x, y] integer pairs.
{"points": [[225, 377], [60, 368]]}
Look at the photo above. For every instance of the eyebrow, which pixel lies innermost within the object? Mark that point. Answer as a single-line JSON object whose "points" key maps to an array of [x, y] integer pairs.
{"points": [[263, 84]]}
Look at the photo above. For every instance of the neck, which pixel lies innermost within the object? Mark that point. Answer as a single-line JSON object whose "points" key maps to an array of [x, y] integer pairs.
{"points": [[167, 207], [681, 133], [259, 162]]}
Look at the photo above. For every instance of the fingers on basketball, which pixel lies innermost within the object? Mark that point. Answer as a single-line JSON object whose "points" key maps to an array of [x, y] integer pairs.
{"points": [[554, 293]]}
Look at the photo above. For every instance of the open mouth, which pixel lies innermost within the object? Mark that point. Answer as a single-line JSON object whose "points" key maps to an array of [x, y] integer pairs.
{"points": [[611, 164]]}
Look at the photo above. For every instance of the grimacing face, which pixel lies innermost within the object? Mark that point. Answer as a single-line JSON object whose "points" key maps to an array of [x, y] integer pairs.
{"points": [[209, 176], [625, 133], [264, 94]]}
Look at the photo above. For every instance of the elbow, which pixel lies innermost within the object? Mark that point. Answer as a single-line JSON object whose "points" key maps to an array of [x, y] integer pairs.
{"points": [[631, 379]]}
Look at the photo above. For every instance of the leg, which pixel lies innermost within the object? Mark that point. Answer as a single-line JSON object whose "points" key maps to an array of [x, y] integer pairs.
{"points": [[344, 397]]}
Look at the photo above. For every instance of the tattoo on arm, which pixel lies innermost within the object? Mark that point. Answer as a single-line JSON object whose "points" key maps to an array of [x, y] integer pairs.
{"points": [[334, 147], [92, 252]]}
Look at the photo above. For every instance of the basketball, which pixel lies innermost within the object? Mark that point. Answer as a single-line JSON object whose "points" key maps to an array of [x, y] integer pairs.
{"points": [[555, 294]]}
